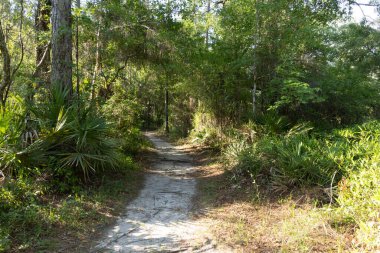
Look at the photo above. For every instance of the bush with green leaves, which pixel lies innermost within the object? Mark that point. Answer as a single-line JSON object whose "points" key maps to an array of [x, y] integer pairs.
{"points": [[289, 162], [359, 192], [11, 127], [52, 146], [298, 158], [206, 129], [68, 142], [78, 143], [287, 159], [346, 159], [19, 211], [125, 114]]}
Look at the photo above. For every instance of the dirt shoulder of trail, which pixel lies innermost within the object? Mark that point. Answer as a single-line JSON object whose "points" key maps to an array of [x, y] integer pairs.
{"points": [[248, 218], [107, 209]]}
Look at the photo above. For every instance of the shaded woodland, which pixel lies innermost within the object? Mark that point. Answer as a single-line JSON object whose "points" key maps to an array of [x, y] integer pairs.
{"points": [[286, 91]]}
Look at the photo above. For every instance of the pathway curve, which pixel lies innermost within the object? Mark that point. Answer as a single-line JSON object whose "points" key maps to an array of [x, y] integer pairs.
{"points": [[158, 220]]}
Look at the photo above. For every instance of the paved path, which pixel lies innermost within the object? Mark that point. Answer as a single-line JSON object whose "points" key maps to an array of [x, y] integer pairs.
{"points": [[158, 220]]}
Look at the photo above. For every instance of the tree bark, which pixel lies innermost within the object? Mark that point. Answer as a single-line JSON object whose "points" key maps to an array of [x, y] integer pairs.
{"points": [[77, 50], [43, 48], [97, 64], [255, 72], [42, 22], [7, 76], [166, 110], [62, 62]]}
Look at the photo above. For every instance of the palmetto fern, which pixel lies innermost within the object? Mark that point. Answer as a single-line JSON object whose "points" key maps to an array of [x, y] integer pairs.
{"points": [[71, 139], [87, 144]]}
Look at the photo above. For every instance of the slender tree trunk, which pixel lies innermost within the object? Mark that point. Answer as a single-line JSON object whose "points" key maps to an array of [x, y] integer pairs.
{"points": [[8, 72], [166, 109], [77, 49], [43, 48], [255, 77], [7, 75], [61, 69], [97, 64], [42, 22], [208, 28], [254, 95]]}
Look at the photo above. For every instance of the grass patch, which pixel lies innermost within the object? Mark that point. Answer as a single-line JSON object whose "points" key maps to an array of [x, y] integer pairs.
{"points": [[246, 223]]}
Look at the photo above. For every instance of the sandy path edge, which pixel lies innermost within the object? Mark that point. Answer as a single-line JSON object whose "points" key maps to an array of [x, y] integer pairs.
{"points": [[159, 219]]}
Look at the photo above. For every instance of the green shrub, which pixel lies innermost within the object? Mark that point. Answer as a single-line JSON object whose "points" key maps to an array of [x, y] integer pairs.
{"points": [[11, 125], [288, 162], [240, 156], [206, 130], [359, 192], [69, 144], [298, 161], [348, 159], [78, 142], [19, 211], [359, 202], [273, 123], [125, 114], [5, 241]]}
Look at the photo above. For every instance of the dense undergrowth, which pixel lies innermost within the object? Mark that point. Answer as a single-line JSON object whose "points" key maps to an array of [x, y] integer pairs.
{"points": [[62, 164], [340, 165]]}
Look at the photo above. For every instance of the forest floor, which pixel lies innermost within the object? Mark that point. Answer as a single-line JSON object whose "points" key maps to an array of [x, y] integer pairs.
{"points": [[250, 218], [83, 219], [190, 204], [70, 223]]}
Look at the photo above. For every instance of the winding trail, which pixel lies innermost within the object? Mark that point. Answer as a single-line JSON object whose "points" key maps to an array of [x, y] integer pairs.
{"points": [[159, 219]]}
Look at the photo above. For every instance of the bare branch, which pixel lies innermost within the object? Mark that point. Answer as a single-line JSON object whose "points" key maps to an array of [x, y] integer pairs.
{"points": [[47, 47], [363, 4]]}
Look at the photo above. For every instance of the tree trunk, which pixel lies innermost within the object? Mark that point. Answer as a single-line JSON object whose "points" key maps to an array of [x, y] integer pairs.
{"points": [[42, 22], [254, 88], [166, 110], [9, 72], [7, 75], [61, 69], [208, 27], [77, 50], [97, 64], [255, 72], [43, 60]]}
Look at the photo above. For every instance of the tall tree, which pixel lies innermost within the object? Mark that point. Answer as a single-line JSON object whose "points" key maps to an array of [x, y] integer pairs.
{"points": [[9, 71], [61, 69], [6, 79]]}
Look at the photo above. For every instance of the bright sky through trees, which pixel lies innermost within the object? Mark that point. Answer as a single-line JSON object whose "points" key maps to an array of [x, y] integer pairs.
{"points": [[368, 12]]}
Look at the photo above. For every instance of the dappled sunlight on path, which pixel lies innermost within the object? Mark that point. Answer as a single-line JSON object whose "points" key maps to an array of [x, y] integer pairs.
{"points": [[159, 219]]}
